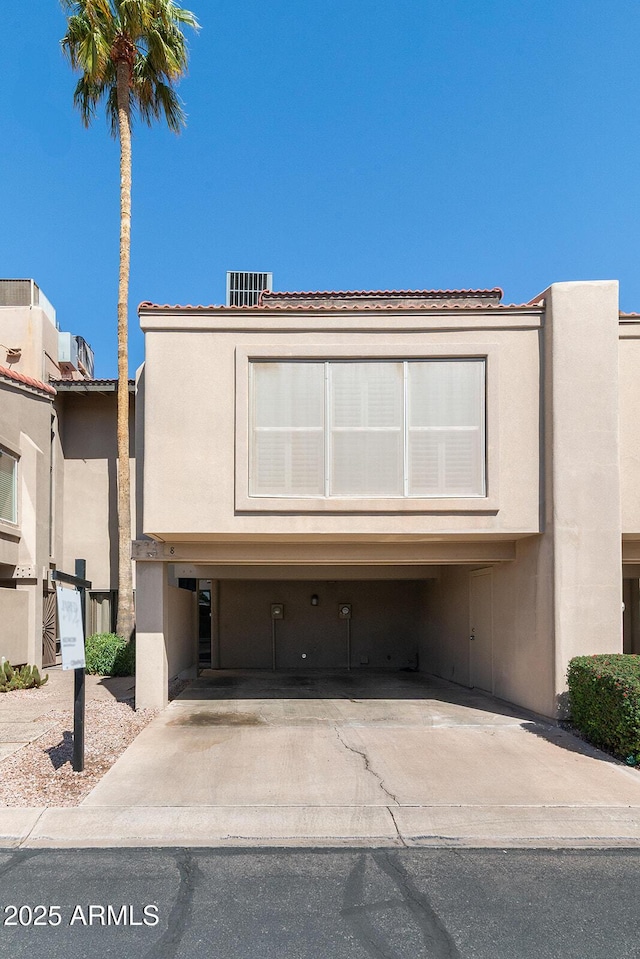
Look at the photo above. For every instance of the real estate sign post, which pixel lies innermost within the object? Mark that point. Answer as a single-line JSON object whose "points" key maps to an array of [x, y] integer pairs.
{"points": [[71, 628]]}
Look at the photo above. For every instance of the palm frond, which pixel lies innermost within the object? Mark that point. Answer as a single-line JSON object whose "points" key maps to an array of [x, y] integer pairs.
{"points": [[152, 31], [86, 97], [170, 104]]}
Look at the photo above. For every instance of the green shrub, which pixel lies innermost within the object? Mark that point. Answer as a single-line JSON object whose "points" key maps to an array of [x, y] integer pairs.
{"points": [[22, 677], [109, 655], [604, 702]]}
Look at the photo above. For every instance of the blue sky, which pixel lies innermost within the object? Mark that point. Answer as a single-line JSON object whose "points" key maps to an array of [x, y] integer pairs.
{"points": [[340, 145]]}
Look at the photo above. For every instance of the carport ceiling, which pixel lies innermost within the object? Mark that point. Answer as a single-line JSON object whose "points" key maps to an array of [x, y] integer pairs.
{"points": [[305, 573]]}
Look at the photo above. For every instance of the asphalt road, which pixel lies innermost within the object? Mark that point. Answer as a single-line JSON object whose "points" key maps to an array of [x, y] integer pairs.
{"points": [[319, 904]]}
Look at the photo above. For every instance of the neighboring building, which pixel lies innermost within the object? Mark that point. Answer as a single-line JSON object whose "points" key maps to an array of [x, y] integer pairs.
{"points": [[422, 479], [57, 474], [28, 535]]}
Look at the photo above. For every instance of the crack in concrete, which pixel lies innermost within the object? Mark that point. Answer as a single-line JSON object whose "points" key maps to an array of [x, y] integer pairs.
{"points": [[368, 768], [393, 819]]}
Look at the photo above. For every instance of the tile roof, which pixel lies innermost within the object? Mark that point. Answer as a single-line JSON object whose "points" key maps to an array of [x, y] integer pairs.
{"points": [[26, 381], [495, 294], [319, 307], [89, 386], [318, 301]]}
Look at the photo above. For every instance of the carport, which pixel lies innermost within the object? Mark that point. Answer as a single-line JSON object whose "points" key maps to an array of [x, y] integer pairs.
{"points": [[310, 624], [446, 609]]}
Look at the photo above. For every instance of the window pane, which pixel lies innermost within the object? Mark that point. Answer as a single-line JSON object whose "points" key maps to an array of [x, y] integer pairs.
{"points": [[446, 463], [8, 506], [366, 463], [446, 428], [366, 394], [288, 463], [446, 393], [288, 394]]}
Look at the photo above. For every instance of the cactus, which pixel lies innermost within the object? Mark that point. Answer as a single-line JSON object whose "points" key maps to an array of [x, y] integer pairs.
{"points": [[23, 677]]}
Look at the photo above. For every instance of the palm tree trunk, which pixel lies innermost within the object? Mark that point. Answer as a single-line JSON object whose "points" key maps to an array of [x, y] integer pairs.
{"points": [[125, 619]]}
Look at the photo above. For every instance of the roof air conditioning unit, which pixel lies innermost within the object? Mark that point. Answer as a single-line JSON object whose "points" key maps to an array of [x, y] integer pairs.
{"points": [[75, 355], [244, 289]]}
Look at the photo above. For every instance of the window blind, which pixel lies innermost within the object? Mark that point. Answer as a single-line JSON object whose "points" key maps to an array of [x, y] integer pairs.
{"points": [[446, 428], [288, 436], [368, 428], [8, 505]]}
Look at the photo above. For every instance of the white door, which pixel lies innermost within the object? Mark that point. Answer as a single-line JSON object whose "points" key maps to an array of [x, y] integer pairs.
{"points": [[481, 630]]}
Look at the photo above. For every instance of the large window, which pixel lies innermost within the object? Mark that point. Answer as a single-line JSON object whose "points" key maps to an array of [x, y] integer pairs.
{"points": [[368, 429], [8, 487]]}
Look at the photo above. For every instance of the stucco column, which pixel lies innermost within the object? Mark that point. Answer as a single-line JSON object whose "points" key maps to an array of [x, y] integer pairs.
{"points": [[152, 673], [33, 589], [582, 512]]}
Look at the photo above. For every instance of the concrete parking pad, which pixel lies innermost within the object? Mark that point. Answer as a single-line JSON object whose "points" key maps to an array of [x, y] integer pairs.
{"points": [[398, 740]]}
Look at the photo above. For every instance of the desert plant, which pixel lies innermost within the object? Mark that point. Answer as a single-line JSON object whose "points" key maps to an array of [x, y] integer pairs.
{"points": [[20, 677], [604, 700], [109, 655]]}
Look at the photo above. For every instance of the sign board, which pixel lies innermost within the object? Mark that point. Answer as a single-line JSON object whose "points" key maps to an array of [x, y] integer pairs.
{"points": [[70, 628]]}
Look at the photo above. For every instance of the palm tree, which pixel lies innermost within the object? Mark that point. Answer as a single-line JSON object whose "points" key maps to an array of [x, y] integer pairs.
{"points": [[129, 54]]}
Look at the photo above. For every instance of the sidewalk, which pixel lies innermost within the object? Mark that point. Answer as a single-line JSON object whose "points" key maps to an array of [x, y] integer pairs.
{"points": [[441, 826], [255, 761]]}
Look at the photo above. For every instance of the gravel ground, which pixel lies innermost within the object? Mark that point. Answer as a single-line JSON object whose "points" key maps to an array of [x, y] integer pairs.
{"points": [[40, 774]]}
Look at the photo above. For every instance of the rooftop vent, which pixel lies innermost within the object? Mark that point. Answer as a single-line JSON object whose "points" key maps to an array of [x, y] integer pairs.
{"points": [[244, 289]]}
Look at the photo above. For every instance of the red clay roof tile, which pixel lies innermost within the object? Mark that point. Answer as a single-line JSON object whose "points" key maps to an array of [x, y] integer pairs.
{"points": [[495, 293], [26, 380]]}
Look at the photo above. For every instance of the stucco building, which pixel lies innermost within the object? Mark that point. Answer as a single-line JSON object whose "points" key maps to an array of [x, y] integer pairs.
{"points": [[428, 480], [58, 474], [431, 480]]}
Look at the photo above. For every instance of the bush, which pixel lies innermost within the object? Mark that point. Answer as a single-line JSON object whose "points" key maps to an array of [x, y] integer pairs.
{"points": [[604, 701], [109, 655], [22, 677]]}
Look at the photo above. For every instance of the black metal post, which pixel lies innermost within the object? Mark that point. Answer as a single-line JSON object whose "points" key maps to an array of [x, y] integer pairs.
{"points": [[79, 681]]}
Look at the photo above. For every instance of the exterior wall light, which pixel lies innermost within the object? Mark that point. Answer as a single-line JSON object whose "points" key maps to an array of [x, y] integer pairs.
{"points": [[314, 599]]}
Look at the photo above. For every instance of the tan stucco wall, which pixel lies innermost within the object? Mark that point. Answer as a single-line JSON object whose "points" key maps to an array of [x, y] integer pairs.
{"points": [[385, 623], [25, 430], [190, 425], [630, 426], [32, 331], [166, 637], [561, 597], [444, 647], [181, 636], [88, 431], [582, 507], [14, 618]]}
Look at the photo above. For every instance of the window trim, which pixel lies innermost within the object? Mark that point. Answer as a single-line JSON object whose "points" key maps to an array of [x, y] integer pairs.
{"points": [[489, 352], [12, 524]]}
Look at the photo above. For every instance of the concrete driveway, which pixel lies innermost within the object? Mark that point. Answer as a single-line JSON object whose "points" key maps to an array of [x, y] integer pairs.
{"points": [[364, 756]]}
